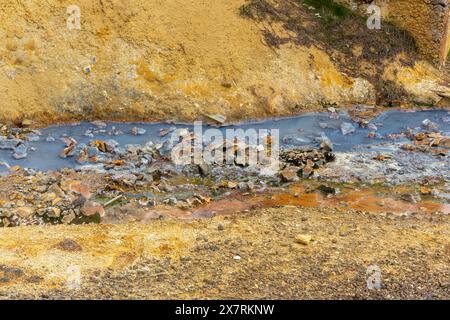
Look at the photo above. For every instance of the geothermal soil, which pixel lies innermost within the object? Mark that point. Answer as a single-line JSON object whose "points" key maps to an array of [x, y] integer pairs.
{"points": [[264, 254]]}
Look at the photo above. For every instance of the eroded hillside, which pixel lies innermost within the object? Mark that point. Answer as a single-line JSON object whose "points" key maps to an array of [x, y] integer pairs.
{"points": [[179, 59]]}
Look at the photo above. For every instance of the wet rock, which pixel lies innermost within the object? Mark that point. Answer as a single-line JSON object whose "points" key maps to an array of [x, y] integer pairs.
{"points": [[70, 147], [323, 125], [440, 195], [92, 151], [68, 141], [325, 143], [82, 157], [326, 189], [218, 118], [20, 151], [33, 137], [408, 147], [296, 140], [88, 133], [138, 131], [347, 128], [9, 144], [164, 132], [100, 145], [429, 125], [99, 124]]}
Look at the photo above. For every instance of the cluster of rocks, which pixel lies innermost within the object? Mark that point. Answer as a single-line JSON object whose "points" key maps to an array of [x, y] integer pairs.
{"points": [[17, 140], [428, 140], [42, 198], [302, 162], [144, 175]]}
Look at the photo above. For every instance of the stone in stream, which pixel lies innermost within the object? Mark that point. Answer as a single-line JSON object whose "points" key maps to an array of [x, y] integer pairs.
{"points": [[92, 151], [220, 119], [68, 141], [89, 133], [70, 146], [295, 140], [326, 189], [99, 124], [164, 132], [32, 137], [347, 128], [429, 125], [138, 131], [20, 151], [82, 156], [4, 164], [325, 142], [8, 144]]}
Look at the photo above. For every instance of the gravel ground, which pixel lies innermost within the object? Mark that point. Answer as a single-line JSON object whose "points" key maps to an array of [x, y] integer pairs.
{"points": [[256, 256]]}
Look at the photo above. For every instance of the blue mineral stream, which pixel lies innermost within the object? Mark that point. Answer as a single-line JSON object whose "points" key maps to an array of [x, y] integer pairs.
{"points": [[294, 131]]}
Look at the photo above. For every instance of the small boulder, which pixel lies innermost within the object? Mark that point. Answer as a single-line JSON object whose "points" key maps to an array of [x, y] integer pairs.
{"points": [[303, 239], [24, 212], [347, 128], [290, 174], [91, 208], [138, 131]]}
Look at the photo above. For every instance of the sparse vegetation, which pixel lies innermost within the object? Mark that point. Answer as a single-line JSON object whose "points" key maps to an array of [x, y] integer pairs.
{"points": [[329, 11], [326, 24]]}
